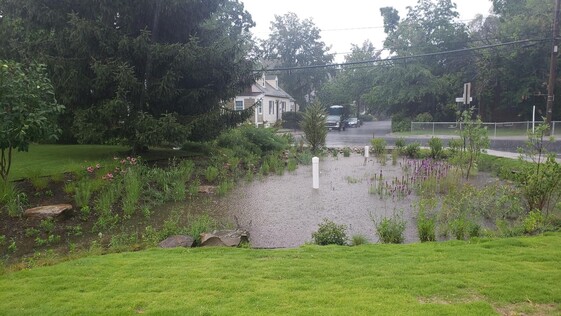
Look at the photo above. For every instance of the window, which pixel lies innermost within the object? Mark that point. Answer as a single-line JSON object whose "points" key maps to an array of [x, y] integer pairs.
{"points": [[284, 106], [239, 106], [271, 107]]}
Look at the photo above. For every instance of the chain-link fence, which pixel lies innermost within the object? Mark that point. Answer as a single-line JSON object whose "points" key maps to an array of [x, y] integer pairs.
{"points": [[503, 129]]}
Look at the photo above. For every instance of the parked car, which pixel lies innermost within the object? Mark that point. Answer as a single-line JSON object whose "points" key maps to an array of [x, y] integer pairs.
{"points": [[353, 122]]}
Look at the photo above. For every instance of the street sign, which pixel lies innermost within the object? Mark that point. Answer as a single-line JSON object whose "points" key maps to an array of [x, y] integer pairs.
{"points": [[467, 93], [461, 100]]}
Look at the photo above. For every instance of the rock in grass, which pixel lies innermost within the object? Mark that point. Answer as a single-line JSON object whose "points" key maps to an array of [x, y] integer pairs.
{"points": [[48, 211], [177, 241], [224, 238]]}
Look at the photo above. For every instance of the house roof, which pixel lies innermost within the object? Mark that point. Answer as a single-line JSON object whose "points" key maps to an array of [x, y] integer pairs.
{"points": [[268, 90]]}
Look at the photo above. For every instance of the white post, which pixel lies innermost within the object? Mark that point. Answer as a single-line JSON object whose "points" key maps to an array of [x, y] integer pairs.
{"points": [[533, 119], [315, 172], [366, 151]]}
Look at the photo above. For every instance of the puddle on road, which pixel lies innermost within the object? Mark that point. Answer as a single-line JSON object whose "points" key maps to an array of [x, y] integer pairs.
{"points": [[285, 210]]}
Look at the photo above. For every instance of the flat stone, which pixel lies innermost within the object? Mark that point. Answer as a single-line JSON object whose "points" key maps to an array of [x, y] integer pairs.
{"points": [[177, 241], [207, 189], [48, 211]]}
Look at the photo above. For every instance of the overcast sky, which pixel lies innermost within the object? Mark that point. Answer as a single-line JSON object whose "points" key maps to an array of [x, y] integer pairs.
{"points": [[345, 22]]}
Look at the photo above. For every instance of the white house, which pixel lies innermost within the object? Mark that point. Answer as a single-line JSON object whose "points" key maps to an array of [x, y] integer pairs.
{"points": [[273, 101]]}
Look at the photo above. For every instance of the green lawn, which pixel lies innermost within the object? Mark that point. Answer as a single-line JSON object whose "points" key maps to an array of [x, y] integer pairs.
{"points": [[46, 160], [481, 277]]}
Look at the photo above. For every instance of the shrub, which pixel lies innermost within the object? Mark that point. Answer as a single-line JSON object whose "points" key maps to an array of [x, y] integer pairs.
{"points": [[423, 117], [378, 146], [426, 227], [346, 152], [534, 222], [400, 144], [358, 240], [330, 233], [435, 145], [412, 150], [401, 123], [391, 230], [313, 125], [455, 145], [292, 120]]}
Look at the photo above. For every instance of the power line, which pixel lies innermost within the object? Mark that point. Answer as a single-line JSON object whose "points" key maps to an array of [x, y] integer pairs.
{"points": [[398, 58]]}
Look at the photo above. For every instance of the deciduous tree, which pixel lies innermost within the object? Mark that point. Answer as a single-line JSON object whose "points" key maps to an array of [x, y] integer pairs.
{"points": [[28, 110]]}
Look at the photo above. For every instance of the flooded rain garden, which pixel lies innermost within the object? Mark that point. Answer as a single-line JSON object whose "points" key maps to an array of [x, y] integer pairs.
{"points": [[255, 180]]}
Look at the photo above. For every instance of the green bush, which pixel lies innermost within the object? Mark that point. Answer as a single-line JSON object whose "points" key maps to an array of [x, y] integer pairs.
{"points": [[358, 240], [426, 227], [423, 117], [401, 124], [534, 222], [412, 150], [292, 120], [391, 230], [435, 145], [400, 144], [378, 146], [313, 125], [330, 233], [366, 117]]}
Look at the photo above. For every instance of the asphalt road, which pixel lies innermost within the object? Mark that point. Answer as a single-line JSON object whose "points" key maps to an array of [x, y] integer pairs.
{"points": [[361, 136]]}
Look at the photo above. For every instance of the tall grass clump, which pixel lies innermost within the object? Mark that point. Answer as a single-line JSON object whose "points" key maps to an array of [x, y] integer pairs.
{"points": [[133, 190], [38, 181], [11, 199], [211, 173], [83, 190], [330, 233], [200, 224]]}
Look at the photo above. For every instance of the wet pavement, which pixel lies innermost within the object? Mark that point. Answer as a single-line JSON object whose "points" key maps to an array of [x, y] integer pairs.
{"points": [[285, 210]]}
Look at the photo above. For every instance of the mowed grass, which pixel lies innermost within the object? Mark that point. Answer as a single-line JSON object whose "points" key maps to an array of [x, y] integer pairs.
{"points": [[47, 160], [479, 277]]}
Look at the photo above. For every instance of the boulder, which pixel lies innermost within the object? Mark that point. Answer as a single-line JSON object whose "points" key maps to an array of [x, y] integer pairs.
{"points": [[224, 238], [177, 241], [48, 211]]}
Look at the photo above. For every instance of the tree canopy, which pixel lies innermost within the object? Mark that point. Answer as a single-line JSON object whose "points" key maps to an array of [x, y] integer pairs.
{"points": [[120, 66], [297, 43]]}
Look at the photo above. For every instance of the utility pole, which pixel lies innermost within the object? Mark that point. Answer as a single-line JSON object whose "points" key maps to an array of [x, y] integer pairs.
{"points": [[553, 66]]}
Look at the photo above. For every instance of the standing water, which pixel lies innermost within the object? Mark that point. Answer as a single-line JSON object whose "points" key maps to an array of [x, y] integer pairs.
{"points": [[285, 210]]}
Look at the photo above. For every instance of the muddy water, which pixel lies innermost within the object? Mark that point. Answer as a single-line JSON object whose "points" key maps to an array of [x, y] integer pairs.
{"points": [[285, 210]]}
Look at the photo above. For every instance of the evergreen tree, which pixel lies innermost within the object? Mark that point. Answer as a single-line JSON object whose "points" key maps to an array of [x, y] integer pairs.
{"points": [[140, 72]]}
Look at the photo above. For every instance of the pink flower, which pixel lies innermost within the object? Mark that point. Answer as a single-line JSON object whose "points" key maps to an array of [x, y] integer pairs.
{"points": [[133, 161], [108, 176], [97, 166], [123, 161], [90, 169]]}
